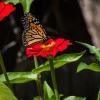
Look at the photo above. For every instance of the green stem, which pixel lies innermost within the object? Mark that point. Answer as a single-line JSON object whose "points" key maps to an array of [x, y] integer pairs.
{"points": [[4, 71], [53, 77], [38, 82]]}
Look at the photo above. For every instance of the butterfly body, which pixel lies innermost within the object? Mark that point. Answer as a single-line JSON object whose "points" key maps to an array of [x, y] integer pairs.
{"points": [[33, 30]]}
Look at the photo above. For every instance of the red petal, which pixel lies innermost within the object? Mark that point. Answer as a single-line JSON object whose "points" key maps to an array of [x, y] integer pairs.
{"points": [[2, 5], [30, 52], [53, 52], [44, 54], [62, 44], [59, 41], [49, 41], [36, 47], [8, 9], [38, 50], [33, 50]]}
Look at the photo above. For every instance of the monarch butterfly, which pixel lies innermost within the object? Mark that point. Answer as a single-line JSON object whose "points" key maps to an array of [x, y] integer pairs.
{"points": [[33, 30]]}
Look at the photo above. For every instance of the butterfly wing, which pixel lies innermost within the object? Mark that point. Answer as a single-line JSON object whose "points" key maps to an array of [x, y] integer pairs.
{"points": [[33, 31]]}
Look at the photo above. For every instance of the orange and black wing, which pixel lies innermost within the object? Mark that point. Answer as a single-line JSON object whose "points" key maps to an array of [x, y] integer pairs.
{"points": [[33, 30]]}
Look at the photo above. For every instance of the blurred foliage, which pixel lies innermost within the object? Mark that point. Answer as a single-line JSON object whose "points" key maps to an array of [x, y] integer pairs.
{"points": [[6, 93]]}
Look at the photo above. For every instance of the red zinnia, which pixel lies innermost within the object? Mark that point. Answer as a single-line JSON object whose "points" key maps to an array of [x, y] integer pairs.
{"points": [[50, 47], [5, 10]]}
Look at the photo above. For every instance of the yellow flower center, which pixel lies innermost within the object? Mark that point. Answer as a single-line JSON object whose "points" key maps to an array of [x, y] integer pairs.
{"points": [[48, 46]]}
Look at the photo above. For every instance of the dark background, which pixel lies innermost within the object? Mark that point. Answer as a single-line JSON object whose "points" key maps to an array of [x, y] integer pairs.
{"points": [[61, 18]]}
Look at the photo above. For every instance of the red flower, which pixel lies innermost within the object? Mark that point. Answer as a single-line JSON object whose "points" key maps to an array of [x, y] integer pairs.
{"points": [[5, 10], [50, 47]]}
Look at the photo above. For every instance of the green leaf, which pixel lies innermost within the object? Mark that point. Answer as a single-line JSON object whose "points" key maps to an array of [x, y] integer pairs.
{"points": [[36, 98], [59, 62], [48, 92], [25, 3], [92, 49], [6, 93], [98, 98], [75, 98], [19, 77], [93, 67]]}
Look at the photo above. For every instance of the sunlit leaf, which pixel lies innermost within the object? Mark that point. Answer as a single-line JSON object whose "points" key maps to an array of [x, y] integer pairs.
{"points": [[59, 62], [48, 92], [93, 67], [92, 49], [25, 3], [19, 77], [75, 98], [5, 93]]}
